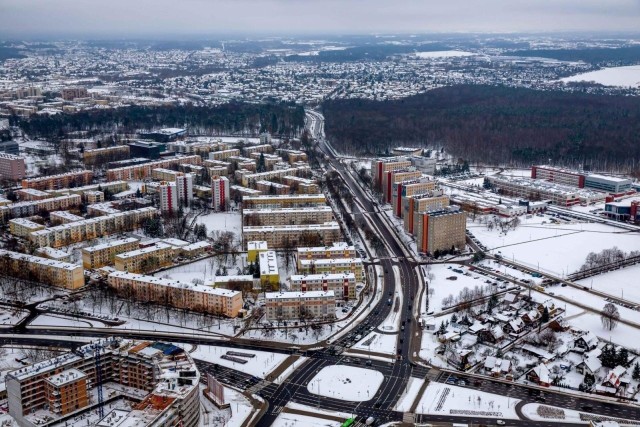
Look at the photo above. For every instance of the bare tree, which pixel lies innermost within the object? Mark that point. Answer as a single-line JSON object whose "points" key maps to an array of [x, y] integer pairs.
{"points": [[610, 316]]}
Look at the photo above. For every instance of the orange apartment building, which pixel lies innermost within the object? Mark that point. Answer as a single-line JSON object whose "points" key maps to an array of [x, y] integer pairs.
{"points": [[138, 172], [408, 189], [380, 166], [66, 392], [56, 182], [412, 206]]}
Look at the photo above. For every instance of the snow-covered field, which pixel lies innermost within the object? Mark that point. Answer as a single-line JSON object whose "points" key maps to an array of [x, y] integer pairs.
{"points": [[614, 76], [203, 269], [622, 334], [378, 343], [620, 283], [444, 399], [11, 317], [259, 366], [558, 249], [346, 383], [410, 394], [222, 221], [295, 420], [444, 54]]}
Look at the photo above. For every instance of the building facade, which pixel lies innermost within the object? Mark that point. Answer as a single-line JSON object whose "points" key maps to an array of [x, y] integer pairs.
{"points": [[300, 305], [56, 182], [287, 216], [220, 193], [145, 259], [291, 236], [43, 270], [440, 230], [343, 285], [332, 266], [104, 254], [12, 167]]}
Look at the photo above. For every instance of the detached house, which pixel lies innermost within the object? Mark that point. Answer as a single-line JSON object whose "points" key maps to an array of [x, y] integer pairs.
{"points": [[586, 342], [540, 375]]}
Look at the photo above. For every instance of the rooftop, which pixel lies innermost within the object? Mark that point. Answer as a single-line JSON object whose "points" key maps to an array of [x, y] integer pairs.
{"points": [[66, 377], [301, 295]]}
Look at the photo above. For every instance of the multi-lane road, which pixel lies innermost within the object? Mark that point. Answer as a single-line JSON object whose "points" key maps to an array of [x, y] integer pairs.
{"points": [[392, 259]]}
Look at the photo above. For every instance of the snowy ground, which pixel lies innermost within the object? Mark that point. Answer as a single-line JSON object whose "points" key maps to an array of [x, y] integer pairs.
{"points": [[530, 410], [296, 420], [378, 343], [619, 283], [622, 335], [594, 301], [444, 399], [444, 54], [236, 415], [557, 248], [12, 316], [204, 270], [409, 395], [259, 366], [222, 221], [614, 76], [346, 383]]}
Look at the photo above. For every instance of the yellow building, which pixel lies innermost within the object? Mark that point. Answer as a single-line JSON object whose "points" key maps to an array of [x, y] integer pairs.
{"points": [[254, 248], [104, 254], [287, 216], [269, 276], [413, 206], [337, 250], [21, 227], [291, 236], [145, 259], [188, 296], [290, 201], [47, 271]]}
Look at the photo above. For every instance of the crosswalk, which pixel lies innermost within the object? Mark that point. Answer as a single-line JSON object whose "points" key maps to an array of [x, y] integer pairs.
{"points": [[276, 410], [258, 386], [409, 417]]}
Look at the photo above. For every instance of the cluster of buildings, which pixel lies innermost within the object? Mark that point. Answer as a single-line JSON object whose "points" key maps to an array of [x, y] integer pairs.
{"points": [[145, 384], [426, 213]]}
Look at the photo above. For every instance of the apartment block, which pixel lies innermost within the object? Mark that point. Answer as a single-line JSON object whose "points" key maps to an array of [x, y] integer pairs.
{"points": [[64, 217], [71, 93], [270, 160], [87, 229], [101, 156], [55, 182], [557, 175], [180, 295], [535, 189], [610, 184], [249, 180], [240, 192], [142, 171], [51, 389], [66, 392], [145, 259], [91, 197], [31, 194], [21, 209], [104, 254], [343, 285], [270, 187], [301, 185], [409, 188], [333, 266], [337, 250], [257, 149], [293, 156], [21, 227], [289, 201], [254, 248], [290, 236], [380, 166], [413, 205], [300, 305], [224, 154], [242, 283], [440, 230], [269, 275], [220, 193], [12, 167], [287, 216], [54, 254], [43, 270], [391, 177]]}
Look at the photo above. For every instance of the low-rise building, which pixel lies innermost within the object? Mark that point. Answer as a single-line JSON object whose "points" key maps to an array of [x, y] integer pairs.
{"points": [[54, 254], [301, 185], [300, 305], [142, 171], [43, 270], [30, 194], [269, 275], [104, 254], [224, 302], [610, 184], [254, 248], [64, 217], [534, 189], [101, 156], [343, 285], [224, 154], [21, 209], [145, 259], [242, 283]]}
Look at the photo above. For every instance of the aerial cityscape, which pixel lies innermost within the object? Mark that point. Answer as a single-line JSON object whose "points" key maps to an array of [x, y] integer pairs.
{"points": [[322, 213]]}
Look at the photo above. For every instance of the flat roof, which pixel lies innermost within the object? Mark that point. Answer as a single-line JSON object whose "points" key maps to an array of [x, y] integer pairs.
{"points": [[66, 377], [174, 284], [110, 244], [325, 276], [308, 294], [149, 249]]}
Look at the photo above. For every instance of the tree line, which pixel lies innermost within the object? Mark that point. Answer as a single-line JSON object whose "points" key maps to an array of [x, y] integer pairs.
{"points": [[237, 118], [495, 124]]}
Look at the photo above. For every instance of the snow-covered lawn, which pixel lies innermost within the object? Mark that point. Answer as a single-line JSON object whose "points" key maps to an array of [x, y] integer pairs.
{"points": [[530, 410], [204, 269], [11, 317], [444, 399], [378, 343], [222, 221], [259, 366], [622, 334], [594, 301], [295, 420], [410, 395], [50, 320], [440, 287], [614, 76], [619, 283], [557, 248], [346, 383]]}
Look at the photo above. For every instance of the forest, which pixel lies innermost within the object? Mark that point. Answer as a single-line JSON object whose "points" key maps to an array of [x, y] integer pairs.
{"points": [[494, 124], [620, 55], [232, 118]]}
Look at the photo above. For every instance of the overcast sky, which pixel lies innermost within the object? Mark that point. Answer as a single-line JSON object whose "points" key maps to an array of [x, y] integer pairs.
{"points": [[124, 18]]}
